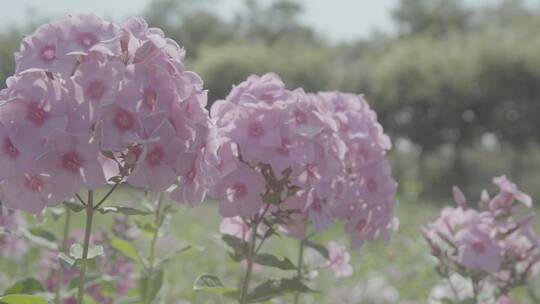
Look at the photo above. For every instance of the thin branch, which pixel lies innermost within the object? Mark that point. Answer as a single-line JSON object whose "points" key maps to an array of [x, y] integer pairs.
{"points": [[106, 196], [80, 199]]}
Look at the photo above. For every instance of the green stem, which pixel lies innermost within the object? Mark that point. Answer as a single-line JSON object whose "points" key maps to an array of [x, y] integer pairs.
{"points": [[63, 248], [151, 260], [87, 233], [299, 273], [249, 268]]}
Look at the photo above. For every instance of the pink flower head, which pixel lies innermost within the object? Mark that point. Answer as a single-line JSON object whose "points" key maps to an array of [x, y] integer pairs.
{"points": [[72, 160], [488, 245], [92, 102], [320, 157], [339, 260]]}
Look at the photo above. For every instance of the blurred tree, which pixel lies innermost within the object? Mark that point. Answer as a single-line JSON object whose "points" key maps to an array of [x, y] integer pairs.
{"points": [[279, 21], [190, 23], [433, 17], [9, 42]]}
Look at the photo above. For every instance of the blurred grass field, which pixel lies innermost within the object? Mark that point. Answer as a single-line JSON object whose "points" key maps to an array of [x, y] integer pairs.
{"points": [[403, 261]]}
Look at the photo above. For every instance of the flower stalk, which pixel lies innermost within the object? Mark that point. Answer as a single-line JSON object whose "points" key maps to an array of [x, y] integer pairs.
{"points": [[300, 270], [87, 234], [63, 248]]}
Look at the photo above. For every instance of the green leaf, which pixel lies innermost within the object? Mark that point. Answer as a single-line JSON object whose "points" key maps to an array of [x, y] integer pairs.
{"points": [[75, 207], [272, 198], [212, 284], [43, 233], [22, 299], [26, 286], [40, 241], [76, 251], [173, 254], [318, 247], [66, 260], [273, 288], [148, 228], [239, 247], [125, 248], [123, 210], [267, 259], [447, 301], [150, 285]]}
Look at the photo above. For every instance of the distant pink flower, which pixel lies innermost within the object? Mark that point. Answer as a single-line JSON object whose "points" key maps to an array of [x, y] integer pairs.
{"points": [[12, 243], [505, 300], [235, 226], [509, 192], [339, 260], [477, 250]]}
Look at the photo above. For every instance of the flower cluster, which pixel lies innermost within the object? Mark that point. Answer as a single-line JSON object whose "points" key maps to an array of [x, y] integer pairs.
{"points": [[94, 103], [119, 271], [299, 158], [491, 245], [12, 244]]}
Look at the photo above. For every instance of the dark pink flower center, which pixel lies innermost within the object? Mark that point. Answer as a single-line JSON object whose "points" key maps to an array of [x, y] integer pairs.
{"points": [[255, 129], [95, 90], [300, 117], [311, 170], [47, 53], [478, 247], [150, 98], [33, 182], [36, 114], [71, 161], [371, 185], [267, 97], [9, 148], [191, 175], [361, 225], [124, 120], [316, 205], [155, 156], [87, 40], [239, 190]]}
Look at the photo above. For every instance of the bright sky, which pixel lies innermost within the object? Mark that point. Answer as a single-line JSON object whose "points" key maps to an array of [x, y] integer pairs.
{"points": [[337, 19]]}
